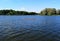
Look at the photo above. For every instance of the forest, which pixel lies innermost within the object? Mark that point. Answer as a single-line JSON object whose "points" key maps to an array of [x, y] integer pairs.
{"points": [[46, 11], [50, 11], [13, 12]]}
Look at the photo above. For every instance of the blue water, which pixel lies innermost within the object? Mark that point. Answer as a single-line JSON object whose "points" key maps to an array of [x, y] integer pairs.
{"points": [[30, 28]]}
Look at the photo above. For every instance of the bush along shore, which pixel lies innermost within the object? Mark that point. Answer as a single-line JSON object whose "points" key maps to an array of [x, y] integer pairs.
{"points": [[46, 11]]}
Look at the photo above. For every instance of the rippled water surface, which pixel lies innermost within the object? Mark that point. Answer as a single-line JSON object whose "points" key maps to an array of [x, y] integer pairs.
{"points": [[29, 28]]}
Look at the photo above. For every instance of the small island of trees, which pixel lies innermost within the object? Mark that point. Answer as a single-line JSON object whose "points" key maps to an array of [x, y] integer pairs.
{"points": [[50, 11], [46, 11]]}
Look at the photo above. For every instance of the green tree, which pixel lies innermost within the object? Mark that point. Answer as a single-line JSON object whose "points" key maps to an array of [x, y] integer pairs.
{"points": [[58, 12], [48, 11], [44, 12], [32, 13]]}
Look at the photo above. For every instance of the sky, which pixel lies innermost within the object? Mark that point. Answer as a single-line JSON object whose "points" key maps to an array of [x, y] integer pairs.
{"points": [[29, 5]]}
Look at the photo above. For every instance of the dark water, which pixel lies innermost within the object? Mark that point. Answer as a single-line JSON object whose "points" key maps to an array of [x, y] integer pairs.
{"points": [[29, 28]]}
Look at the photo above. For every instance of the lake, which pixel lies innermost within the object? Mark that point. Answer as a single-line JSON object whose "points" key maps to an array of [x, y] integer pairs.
{"points": [[30, 28]]}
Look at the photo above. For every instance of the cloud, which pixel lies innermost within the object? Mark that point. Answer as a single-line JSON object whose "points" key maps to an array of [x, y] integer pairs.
{"points": [[27, 9], [23, 9]]}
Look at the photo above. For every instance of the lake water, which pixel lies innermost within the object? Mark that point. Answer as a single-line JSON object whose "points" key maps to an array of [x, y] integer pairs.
{"points": [[30, 28]]}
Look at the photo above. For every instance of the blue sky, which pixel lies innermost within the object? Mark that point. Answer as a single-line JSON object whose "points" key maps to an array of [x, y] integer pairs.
{"points": [[29, 5]]}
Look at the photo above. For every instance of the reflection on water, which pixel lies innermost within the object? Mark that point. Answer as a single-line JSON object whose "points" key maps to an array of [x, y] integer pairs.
{"points": [[29, 28]]}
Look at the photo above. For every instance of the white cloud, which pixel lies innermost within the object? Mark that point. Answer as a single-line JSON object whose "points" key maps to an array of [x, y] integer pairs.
{"points": [[26, 9], [23, 9]]}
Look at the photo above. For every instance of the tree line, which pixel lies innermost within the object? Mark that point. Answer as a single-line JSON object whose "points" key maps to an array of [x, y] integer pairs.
{"points": [[46, 11], [13, 12], [50, 11]]}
